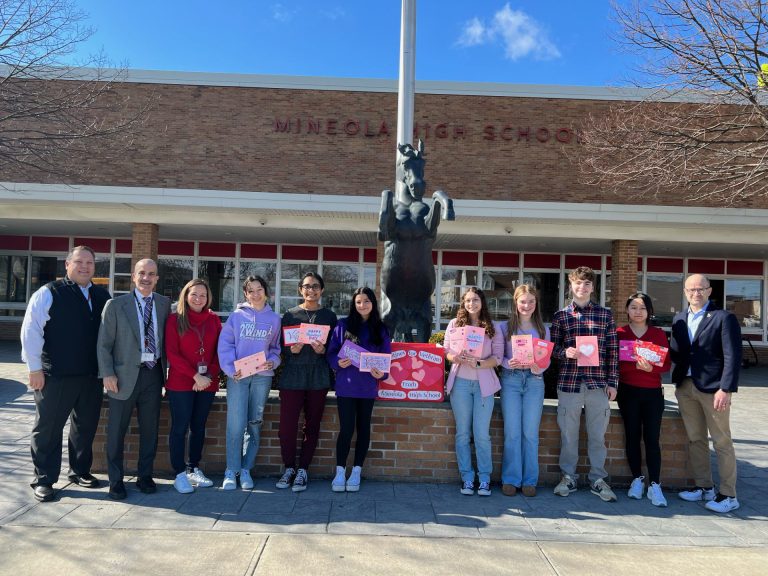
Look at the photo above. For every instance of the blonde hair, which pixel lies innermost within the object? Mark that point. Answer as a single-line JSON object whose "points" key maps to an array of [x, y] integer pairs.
{"points": [[514, 319]]}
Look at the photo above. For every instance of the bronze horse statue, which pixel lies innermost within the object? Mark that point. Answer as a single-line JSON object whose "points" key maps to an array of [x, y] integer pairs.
{"points": [[408, 227]]}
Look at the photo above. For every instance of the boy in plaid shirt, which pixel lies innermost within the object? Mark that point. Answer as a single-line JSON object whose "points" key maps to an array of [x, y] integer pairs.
{"points": [[590, 387]]}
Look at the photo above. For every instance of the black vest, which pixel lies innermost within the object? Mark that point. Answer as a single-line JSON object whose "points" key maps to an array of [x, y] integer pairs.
{"points": [[72, 330]]}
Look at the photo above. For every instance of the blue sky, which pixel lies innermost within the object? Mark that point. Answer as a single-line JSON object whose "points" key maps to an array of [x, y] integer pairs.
{"points": [[525, 41]]}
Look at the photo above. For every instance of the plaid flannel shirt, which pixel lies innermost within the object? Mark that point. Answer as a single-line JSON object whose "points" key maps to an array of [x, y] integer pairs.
{"points": [[591, 320]]}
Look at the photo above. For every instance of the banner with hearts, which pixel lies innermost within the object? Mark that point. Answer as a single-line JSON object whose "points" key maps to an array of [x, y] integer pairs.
{"points": [[416, 374]]}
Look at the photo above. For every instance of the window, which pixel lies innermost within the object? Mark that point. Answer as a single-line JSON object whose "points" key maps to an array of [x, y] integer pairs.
{"points": [[369, 276], [46, 269], [340, 282], [122, 280], [101, 271], [453, 283], [13, 278], [744, 297], [220, 275], [547, 285], [174, 274], [666, 292], [499, 288]]}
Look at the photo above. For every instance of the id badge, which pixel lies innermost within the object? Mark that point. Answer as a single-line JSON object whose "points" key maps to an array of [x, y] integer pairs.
{"points": [[147, 357], [202, 368]]}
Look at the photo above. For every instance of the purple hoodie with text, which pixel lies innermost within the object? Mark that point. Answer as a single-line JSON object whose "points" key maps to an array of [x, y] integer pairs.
{"points": [[246, 332]]}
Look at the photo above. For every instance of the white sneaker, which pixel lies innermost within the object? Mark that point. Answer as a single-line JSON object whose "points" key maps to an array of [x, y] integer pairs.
{"points": [[182, 485], [656, 496], [698, 494], [601, 488], [566, 486], [197, 478], [246, 482], [339, 483], [636, 488], [286, 479], [467, 488], [727, 504], [353, 484], [484, 489], [301, 481], [230, 482]]}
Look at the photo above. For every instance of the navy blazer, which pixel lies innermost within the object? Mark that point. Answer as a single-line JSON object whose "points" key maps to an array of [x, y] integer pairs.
{"points": [[714, 356]]}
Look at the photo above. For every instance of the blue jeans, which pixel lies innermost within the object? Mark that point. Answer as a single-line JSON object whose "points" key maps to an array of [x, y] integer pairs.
{"points": [[472, 413], [245, 413], [522, 400], [189, 411]]}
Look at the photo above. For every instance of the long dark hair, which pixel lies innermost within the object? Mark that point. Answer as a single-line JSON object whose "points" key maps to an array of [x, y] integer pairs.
{"points": [[376, 327], [182, 308], [646, 301], [462, 318]]}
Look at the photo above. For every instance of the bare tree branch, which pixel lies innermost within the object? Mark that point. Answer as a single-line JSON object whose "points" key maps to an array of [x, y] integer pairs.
{"points": [[52, 114], [702, 133]]}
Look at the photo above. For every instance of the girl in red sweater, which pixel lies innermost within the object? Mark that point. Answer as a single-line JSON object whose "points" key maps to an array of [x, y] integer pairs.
{"points": [[191, 338], [641, 399]]}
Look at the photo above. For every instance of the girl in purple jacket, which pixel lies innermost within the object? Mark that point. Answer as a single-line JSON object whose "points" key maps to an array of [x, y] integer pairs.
{"points": [[356, 391]]}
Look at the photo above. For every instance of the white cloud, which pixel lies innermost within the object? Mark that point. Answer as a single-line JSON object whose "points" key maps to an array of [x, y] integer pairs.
{"points": [[282, 14], [520, 34], [474, 33]]}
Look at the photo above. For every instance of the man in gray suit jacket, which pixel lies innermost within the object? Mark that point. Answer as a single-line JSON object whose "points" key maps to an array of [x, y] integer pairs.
{"points": [[133, 366]]}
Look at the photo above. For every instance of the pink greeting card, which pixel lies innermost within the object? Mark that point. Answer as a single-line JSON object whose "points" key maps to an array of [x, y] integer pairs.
{"points": [[654, 353], [352, 351], [308, 333], [627, 351], [371, 360], [589, 355], [472, 340], [290, 335], [542, 352], [252, 364], [522, 348]]}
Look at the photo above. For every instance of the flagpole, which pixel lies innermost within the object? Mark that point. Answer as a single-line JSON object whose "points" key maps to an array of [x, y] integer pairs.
{"points": [[407, 80]]}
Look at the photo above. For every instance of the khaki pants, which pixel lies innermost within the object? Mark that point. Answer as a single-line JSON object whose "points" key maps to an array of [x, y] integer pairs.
{"points": [[699, 418]]}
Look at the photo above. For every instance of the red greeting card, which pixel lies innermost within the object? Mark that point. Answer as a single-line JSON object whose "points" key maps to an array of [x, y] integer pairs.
{"points": [[654, 353], [589, 354], [542, 352], [522, 348]]}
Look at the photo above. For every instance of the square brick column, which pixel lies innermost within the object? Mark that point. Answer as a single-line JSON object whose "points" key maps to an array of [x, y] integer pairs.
{"points": [[144, 242], [623, 276]]}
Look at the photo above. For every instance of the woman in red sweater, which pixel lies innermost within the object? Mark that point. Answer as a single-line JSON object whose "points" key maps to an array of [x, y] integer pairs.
{"points": [[191, 338], [641, 399]]}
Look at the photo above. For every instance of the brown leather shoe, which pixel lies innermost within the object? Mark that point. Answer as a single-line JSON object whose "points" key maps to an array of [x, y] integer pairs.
{"points": [[508, 489], [529, 491]]}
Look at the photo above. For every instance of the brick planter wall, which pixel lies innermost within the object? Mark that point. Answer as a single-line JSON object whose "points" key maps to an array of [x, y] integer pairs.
{"points": [[409, 442]]}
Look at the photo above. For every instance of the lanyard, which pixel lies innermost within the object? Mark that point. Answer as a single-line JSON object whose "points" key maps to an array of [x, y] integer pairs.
{"points": [[201, 337], [142, 315]]}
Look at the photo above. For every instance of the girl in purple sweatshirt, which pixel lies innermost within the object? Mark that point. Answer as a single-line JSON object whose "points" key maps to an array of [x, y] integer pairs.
{"points": [[253, 327], [356, 391]]}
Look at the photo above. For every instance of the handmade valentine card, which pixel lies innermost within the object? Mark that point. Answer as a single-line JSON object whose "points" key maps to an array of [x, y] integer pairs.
{"points": [[309, 333], [589, 355], [542, 352], [290, 335], [472, 338], [371, 360], [522, 348], [352, 351], [626, 351], [250, 365]]}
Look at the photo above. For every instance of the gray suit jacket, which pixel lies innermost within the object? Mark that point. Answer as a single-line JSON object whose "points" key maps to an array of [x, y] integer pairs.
{"points": [[119, 347]]}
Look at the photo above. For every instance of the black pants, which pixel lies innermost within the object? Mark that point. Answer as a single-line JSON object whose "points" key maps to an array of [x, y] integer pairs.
{"points": [[145, 398], [189, 412], [77, 398], [353, 412], [642, 409]]}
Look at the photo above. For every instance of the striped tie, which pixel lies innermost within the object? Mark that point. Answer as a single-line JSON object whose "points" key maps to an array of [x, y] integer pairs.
{"points": [[149, 336]]}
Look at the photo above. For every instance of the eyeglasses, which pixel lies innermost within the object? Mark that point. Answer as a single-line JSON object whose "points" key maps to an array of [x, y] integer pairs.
{"points": [[307, 287], [696, 290]]}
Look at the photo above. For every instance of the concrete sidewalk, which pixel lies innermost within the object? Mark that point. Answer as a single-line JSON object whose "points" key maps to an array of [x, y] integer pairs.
{"points": [[386, 528]]}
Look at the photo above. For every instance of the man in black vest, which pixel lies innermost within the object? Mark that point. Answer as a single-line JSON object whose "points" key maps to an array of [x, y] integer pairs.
{"points": [[58, 344]]}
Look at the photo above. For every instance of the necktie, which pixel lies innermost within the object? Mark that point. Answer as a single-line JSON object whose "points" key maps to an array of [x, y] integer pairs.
{"points": [[149, 331]]}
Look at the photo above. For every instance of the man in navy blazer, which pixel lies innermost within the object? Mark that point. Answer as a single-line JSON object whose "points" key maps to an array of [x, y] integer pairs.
{"points": [[706, 350]]}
